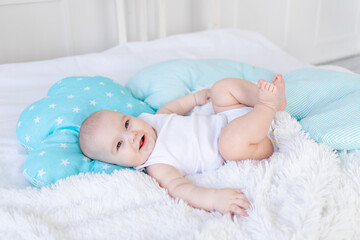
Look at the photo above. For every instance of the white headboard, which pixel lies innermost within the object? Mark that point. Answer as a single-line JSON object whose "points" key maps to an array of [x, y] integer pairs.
{"points": [[314, 31]]}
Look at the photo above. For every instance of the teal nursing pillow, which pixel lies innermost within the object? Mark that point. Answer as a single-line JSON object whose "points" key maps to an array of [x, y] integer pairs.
{"points": [[49, 127]]}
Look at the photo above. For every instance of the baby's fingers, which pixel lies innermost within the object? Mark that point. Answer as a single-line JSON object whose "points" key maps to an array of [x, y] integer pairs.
{"points": [[241, 200], [207, 95], [244, 203], [238, 210]]}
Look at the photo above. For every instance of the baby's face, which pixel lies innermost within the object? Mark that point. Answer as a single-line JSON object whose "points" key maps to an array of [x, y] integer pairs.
{"points": [[123, 140]]}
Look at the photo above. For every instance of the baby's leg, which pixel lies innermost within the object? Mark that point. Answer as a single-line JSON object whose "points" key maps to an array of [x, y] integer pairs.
{"points": [[230, 93], [246, 137]]}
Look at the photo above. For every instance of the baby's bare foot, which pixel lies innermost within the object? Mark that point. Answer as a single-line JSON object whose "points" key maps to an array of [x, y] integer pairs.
{"points": [[280, 84], [269, 95]]}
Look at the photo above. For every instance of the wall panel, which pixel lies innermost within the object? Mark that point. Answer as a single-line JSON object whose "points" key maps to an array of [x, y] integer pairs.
{"points": [[311, 30], [20, 39]]}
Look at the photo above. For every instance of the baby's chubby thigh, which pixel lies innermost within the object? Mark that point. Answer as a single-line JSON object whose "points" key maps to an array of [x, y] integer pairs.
{"points": [[222, 96], [234, 145], [241, 150], [231, 145]]}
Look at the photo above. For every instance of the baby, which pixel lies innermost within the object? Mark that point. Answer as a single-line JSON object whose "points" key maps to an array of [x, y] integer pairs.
{"points": [[169, 145]]}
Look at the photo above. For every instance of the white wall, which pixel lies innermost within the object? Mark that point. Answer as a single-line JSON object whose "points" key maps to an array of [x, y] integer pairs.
{"points": [[311, 30]]}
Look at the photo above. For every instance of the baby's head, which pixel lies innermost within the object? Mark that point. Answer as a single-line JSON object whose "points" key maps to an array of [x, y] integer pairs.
{"points": [[116, 138]]}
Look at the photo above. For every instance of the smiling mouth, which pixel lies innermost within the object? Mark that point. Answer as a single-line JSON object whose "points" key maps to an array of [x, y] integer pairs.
{"points": [[142, 141]]}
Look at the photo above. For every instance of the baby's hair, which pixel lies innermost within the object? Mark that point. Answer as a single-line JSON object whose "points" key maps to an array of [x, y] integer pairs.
{"points": [[88, 127]]}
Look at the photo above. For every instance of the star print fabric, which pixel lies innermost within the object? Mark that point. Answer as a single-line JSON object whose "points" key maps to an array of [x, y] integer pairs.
{"points": [[49, 128]]}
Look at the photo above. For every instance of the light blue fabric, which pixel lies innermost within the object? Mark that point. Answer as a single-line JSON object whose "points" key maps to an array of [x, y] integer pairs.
{"points": [[327, 103], [50, 126]]}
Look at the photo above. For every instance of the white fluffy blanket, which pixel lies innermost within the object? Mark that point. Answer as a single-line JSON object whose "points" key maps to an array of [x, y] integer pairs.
{"points": [[304, 191]]}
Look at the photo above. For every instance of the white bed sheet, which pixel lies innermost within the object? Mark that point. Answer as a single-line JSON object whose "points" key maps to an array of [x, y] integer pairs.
{"points": [[23, 83]]}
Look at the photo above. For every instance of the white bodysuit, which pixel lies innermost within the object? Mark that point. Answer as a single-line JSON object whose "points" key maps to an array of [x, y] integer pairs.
{"points": [[189, 143]]}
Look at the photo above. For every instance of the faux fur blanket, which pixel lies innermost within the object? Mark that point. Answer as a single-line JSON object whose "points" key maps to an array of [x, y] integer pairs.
{"points": [[304, 191]]}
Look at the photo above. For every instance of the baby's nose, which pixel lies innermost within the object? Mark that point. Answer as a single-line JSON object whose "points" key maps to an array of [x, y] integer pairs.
{"points": [[132, 136]]}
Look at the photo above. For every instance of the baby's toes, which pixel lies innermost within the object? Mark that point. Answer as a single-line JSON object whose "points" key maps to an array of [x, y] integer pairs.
{"points": [[276, 77], [269, 86], [261, 83], [273, 88]]}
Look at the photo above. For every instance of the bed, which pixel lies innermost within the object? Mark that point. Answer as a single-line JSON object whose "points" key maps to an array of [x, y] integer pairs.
{"points": [[305, 191]]}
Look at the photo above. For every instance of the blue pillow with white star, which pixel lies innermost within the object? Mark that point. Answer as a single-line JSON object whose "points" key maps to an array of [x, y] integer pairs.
{"points": [[49, 128]]}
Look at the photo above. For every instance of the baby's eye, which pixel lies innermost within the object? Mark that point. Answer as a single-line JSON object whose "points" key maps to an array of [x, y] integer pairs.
{"points": [[118, 145], [127, 124]]}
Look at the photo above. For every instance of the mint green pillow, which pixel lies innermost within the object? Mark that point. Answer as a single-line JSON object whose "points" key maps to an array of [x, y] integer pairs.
{"points": [[49, 128]]}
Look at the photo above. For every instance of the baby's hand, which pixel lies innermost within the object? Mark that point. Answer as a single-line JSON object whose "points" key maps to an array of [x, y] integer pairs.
{"points": [[202, 97], [232, 201]]}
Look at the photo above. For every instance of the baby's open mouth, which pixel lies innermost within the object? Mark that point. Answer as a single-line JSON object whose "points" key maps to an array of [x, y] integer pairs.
{"points": [[142, 140]]}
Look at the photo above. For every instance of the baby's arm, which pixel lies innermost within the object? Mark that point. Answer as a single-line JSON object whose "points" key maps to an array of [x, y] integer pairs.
{"points": [[186, 103], [223, 200]]}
